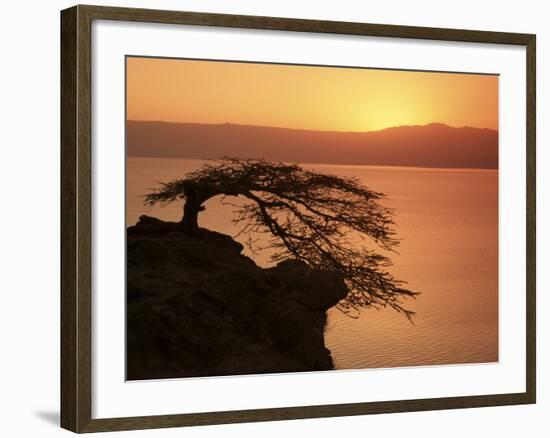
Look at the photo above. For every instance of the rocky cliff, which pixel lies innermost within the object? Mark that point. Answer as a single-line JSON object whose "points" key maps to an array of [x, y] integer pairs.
{"points": [[197, 307]]}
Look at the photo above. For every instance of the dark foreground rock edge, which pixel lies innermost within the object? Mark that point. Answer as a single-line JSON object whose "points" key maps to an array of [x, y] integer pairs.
{"points": [[197, 307]]}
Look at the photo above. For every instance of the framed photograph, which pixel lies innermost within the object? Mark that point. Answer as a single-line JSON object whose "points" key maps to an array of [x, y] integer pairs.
{"points": [[269, 218]]}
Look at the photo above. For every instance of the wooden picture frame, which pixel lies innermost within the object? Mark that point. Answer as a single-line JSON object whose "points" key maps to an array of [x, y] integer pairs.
{"points": [[76, 201]]}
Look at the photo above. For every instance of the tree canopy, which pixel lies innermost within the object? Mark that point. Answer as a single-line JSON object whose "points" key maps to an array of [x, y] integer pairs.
{"points": [[323, 220]]}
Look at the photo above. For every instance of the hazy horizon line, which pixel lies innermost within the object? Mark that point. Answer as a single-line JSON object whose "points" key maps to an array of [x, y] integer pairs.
{"points": [[316, 130], [324, 164]]}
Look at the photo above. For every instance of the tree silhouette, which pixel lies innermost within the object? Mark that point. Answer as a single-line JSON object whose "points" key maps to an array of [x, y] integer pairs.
{"points": [[313, 217]]}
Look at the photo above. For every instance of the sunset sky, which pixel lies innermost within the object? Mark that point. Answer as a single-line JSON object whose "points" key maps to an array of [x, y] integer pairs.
{"points": [[319, 98]]}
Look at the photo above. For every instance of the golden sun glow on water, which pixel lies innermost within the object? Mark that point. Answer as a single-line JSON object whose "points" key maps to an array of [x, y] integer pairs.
{"points": [[305, 97]]}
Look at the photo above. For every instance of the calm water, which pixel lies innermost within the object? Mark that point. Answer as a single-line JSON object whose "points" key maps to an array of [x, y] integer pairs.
{"points": [[448, 222]]}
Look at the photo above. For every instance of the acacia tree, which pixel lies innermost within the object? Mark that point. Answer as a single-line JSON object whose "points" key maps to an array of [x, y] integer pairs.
{"points": [[313, 217]]}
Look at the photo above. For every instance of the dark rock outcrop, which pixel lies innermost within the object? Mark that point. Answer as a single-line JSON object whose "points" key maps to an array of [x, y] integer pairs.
{"points": [[197, 307]]}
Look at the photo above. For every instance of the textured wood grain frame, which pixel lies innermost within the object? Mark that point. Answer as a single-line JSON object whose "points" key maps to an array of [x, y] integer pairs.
{"points": [[76, 168]]}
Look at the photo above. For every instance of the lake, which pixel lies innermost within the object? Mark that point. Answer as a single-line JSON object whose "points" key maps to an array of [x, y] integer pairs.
{"points": [[447, 220]]}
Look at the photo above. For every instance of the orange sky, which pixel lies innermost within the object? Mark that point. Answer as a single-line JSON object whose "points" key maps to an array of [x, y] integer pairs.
{"points": [[340, 99]]}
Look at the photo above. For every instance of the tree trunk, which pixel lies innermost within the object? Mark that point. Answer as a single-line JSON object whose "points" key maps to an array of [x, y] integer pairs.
{"points": [[191, 209]]}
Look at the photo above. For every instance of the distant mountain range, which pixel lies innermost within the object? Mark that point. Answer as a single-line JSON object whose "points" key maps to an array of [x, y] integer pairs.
{"points": [[433, 145]]}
